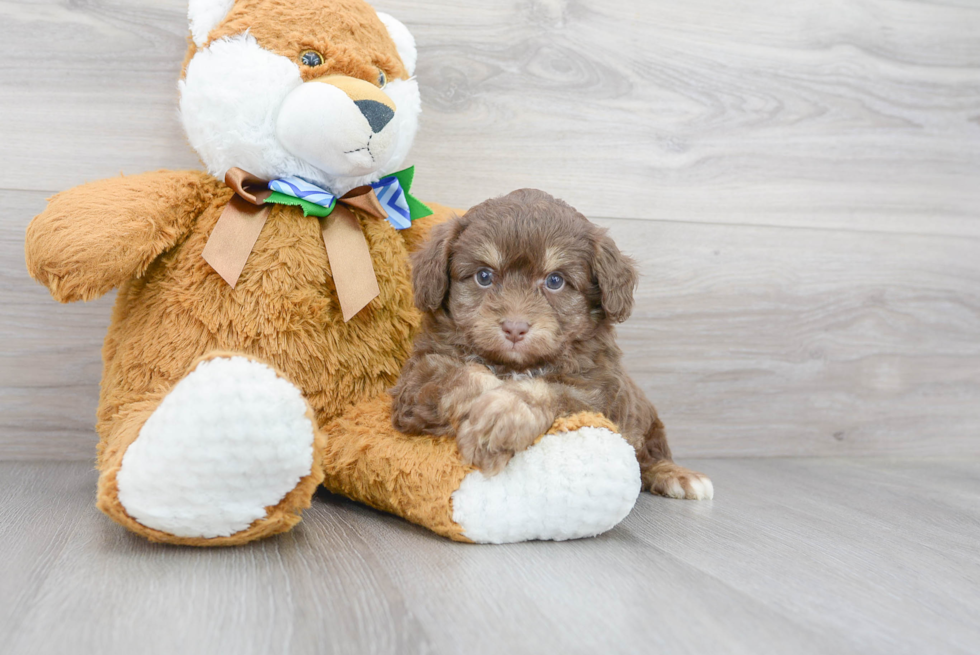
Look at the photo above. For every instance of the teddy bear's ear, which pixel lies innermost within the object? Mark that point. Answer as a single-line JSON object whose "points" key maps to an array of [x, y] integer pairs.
{"points": [[204, 16], [404, 41]]}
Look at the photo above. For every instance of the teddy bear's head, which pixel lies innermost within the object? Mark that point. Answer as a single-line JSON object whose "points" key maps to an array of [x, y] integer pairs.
{"points": [[318, 89]]}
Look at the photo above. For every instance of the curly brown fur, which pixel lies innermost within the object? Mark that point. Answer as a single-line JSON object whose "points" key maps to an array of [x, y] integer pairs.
{"points": [[497, 392]]}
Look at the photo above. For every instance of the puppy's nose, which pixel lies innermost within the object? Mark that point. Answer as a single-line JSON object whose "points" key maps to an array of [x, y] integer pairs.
{"points": [[377, 114], [515, 330]]}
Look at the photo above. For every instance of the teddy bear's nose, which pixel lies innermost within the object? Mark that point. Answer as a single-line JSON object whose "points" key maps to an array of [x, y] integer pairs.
{"points": [[377, 114]]}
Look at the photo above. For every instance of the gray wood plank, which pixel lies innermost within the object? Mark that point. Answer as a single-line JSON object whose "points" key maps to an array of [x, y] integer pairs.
{"points": [[779, 113], [793, 556], [884, 553], [92, 89], [50, 354], [772, 341], [750, 340]]}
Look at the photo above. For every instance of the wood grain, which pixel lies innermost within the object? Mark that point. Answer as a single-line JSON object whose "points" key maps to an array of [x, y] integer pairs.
{"points": [[50, 354], [750, 340], [863, 114], [775, 341], [793, 556], [798, 183], [797, 180]]}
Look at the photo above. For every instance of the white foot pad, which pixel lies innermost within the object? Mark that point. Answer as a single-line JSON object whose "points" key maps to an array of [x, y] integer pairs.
{"points": [[567, 486], [231, 439]]}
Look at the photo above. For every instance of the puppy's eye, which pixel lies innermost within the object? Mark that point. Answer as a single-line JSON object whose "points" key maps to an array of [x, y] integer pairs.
{"points": [[484, 277], [554, 281], [382, 79], [311, 58]]}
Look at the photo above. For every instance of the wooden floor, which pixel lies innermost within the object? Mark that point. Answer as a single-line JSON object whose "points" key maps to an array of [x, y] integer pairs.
{"points": [[798, 181], [794, 556]]}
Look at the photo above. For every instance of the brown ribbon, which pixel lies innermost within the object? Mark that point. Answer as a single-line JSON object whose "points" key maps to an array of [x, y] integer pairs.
{"points": [[240, 223]]}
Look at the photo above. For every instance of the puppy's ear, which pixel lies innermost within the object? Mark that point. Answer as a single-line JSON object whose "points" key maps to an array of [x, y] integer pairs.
{"points": [[616, 275], [430, 264]]}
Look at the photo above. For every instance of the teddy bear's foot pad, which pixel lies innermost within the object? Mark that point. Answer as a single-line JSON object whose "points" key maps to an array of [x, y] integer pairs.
{"points": [[227, 443], [567, 486]]}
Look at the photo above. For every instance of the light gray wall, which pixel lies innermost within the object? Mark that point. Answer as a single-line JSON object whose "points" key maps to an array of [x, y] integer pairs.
{"points": [[800, 181]]}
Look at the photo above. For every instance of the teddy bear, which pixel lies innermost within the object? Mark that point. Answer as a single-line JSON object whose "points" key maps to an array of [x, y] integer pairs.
{"points": [[264, 306]]}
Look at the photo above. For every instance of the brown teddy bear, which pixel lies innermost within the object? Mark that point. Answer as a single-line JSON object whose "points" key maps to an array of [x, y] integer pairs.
{"points": [[265, 306]]}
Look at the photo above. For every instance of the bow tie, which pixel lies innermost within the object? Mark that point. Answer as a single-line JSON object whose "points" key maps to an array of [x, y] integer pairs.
{"points": [[244, 216]]}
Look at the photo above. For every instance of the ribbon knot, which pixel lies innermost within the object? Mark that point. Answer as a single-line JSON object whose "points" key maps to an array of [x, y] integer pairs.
{"points": [[243, 218]]}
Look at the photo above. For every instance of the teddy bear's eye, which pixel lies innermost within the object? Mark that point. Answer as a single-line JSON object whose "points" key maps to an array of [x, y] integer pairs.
{"points": [[382, 79], [311, 58], [555, 281], [484, 277]]}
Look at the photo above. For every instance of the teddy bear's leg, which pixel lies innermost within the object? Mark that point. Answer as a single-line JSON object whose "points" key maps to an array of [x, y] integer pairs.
{"points": [[579, 480], [230, 454]]}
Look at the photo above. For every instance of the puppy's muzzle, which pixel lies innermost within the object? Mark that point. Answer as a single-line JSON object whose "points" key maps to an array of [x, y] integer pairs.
{"points": [[515, 331]]}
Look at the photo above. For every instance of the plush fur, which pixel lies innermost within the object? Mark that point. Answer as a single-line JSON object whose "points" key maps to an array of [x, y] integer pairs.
{"points": [[178, 329], [581, 479], [236, 81], [204, 16], [186, 437], [143, 234], [525, 501], [521, 296], [403, 39]]}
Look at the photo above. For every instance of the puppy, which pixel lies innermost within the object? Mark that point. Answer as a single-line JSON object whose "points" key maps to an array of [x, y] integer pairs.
{"points": [[521, 296]]}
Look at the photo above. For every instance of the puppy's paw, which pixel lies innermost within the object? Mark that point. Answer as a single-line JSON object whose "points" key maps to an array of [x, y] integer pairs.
{"points": [[498, 425], [669, 479]]}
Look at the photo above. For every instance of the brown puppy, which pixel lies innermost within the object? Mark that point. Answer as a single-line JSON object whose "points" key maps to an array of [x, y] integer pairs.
{"points": [[521, 296]]}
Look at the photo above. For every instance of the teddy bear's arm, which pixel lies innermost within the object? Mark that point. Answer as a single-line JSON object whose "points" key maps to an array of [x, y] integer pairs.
{"points": [[416, 235], [94, 237]]}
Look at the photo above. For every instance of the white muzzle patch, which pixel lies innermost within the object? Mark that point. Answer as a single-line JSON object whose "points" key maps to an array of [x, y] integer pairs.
{"points": [[321, 125], [243, 106]]}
